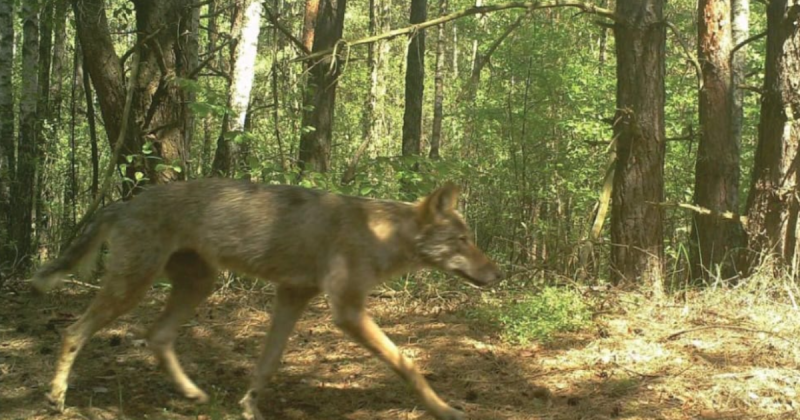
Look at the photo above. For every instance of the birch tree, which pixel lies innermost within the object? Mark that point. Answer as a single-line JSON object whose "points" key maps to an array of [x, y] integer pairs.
{"points": [[245, 31]]}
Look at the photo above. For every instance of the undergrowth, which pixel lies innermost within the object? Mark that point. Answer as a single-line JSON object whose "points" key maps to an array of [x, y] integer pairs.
{"points": [[534, 315]]}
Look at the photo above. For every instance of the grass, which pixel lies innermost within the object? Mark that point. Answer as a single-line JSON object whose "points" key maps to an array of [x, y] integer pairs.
{"points": [[722, 352], [534, 316]]}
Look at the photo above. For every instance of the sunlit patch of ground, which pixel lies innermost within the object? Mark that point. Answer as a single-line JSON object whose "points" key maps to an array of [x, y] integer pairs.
{"points": [[710, 355]]}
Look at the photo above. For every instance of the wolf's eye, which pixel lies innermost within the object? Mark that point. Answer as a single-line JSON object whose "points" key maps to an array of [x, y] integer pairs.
{"points": [[463, 239]]}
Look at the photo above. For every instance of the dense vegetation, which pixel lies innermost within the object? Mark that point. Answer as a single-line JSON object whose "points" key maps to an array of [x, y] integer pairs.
{"points": [[519, 106]]}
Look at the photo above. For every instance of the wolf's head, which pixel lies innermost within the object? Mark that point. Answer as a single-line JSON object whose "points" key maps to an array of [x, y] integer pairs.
{"points": [[445, 241]]}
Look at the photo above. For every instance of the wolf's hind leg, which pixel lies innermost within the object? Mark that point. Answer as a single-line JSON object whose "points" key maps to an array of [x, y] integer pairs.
{"points": [[124, 285], [289, 306], [192, 282]]}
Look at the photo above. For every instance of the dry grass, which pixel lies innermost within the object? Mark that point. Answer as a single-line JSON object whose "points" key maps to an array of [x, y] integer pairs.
{"points": [[735, 355]]}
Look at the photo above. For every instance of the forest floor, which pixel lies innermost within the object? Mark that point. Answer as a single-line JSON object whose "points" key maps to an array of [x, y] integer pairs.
{"points": [[704, 355]]}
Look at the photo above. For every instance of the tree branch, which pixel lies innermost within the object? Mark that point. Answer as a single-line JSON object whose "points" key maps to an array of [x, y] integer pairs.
{"points": [[747, 41], [689, 56], [211, 56], [532, 5], [484, 58], [287, 33], [729, 215], [144, 40]]}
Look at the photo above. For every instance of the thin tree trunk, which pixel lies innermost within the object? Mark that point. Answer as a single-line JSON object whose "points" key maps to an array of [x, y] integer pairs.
{"points": [[71, 186], [772, 206], [369, 118], [276, 93], [318, 106], [438, 96], [475, 44], [740, 31], [56, 99], [603, 48], [636, 225], [470, 91], [208, 133], [415, 83], [59, 57], [44, 135], [7, 154], [23, 188], [245, 31], [192, 46], [455, 50], [717, 167], [90, 118]]}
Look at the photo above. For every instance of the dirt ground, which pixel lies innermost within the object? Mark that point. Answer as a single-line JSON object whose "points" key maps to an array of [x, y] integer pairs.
{"points": [[705, 356]]}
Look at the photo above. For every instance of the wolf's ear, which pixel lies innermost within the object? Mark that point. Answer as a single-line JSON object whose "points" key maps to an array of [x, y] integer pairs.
{"points": [[443, 200]]}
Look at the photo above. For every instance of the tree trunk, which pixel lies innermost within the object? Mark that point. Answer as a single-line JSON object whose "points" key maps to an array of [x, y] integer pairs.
{"points": [[159, 105], [71, 186], [59, 55], [101, 62], [22, 191], [415, 83], [44, 134], [310, 23], [636, 224], [438, 96], [717, 166], [318, 106], [772, 206], [369, 117], [208, 136], [90, 118], [7, 161], [244, 31], [192, 52]]}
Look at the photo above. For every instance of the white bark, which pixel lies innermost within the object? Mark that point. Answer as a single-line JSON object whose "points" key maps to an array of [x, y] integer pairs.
{"points": [[244, 64]]}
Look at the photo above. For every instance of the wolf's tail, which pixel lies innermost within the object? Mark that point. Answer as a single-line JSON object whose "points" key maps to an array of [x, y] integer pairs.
{"points": [[80, 254]]}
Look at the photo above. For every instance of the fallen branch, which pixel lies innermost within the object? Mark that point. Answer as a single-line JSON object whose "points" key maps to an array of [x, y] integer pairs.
{"points": [[726, 327], [82, 284], [532, 5]]}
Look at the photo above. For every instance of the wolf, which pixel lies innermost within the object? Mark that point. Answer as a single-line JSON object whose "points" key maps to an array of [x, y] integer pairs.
{"points": [[305, 241]]}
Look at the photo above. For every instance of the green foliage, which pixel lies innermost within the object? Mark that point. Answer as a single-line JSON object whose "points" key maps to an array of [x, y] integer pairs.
{"points": [[536, 316]]}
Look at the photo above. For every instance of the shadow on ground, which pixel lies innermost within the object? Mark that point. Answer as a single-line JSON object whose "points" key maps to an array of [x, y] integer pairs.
{"points": [[324, 375]]}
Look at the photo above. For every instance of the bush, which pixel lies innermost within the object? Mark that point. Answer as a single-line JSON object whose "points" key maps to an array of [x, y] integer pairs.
{"points": [[536, 316]]}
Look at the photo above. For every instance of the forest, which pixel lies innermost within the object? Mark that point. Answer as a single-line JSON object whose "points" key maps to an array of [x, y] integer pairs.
{"points": [[630, 165]]}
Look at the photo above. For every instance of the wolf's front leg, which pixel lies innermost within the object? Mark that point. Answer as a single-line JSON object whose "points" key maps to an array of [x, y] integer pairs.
{"points": [[353, 319]]}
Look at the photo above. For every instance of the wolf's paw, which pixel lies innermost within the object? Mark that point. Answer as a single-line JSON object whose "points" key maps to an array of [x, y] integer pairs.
{"points": [[56, 400], [451, 414], [196, 394], [250, 409]]}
